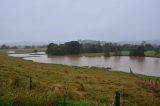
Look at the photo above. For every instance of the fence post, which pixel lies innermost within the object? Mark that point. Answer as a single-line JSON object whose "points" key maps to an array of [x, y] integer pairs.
{"points": [[30, 83], [131, 72], [117, 99], [123, 102]]}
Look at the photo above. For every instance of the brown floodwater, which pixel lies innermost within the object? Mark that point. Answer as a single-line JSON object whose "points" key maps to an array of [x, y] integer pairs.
{"points": [[142, 65]]}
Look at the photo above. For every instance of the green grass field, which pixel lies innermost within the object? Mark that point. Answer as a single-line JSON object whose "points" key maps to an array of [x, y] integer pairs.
{"points": [[25, 83]]}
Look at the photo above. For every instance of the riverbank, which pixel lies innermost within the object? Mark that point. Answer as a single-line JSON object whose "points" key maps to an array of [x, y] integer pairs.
{"points": [[30, 83], [123, 53]]}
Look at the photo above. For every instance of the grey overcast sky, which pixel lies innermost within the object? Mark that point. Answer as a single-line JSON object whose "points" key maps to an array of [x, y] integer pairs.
{"points": [[65, 20]]}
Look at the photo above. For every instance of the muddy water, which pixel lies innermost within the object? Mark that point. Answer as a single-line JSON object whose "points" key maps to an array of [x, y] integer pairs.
{"points": [[146, 65]]}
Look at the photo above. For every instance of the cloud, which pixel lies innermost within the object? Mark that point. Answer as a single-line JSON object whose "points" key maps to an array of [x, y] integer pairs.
{"points": [[62, 20]]}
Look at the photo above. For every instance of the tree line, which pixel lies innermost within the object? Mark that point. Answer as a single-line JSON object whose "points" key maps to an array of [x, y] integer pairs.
{"points": [[74, 47], [25, 47], [7, 47]]}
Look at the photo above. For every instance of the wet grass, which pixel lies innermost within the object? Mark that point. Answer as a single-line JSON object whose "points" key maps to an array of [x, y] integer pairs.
{"points": [[60, 85], [123, 53], [152, 54]]}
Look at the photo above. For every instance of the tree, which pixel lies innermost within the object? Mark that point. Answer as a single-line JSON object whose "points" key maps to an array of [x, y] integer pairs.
{"points": [[72, 47], [4, 47], [139, 51], [53, 49], [98, 47], [50, 48], [108, 47], [117, 51], [156, 50], [148, 46], [91, 48]]}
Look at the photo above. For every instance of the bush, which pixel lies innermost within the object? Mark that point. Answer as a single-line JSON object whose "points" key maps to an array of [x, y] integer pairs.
{"points": [[81, 87]]}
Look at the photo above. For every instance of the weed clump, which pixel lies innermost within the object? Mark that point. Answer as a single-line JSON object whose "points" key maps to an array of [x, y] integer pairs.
{"points": [[16, 83], [81, 87]]}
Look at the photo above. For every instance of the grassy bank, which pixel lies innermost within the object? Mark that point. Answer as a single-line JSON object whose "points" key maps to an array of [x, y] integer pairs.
{"points": [[21, 51], [25, 83], [123, 53]]}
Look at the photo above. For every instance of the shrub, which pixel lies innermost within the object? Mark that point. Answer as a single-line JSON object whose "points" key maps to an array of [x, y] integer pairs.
{"points": [[81, 87]]}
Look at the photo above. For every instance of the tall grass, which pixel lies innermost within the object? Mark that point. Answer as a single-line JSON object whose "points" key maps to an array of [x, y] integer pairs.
{"points": [[59, 85]]}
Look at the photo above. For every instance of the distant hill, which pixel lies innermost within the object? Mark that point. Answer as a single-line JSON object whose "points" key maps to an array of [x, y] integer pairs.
{"points": [[93, 42], [153, 42]]}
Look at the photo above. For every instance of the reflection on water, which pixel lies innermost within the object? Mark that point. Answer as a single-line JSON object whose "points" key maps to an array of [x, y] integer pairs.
{"points": [[145, 65]]}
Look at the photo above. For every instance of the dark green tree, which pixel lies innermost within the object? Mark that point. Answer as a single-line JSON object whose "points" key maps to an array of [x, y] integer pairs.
{"points": [[148, 46], [139, 51], [72, 47], [4, 47], [117, 51], [54, 49], [156, 50]]}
